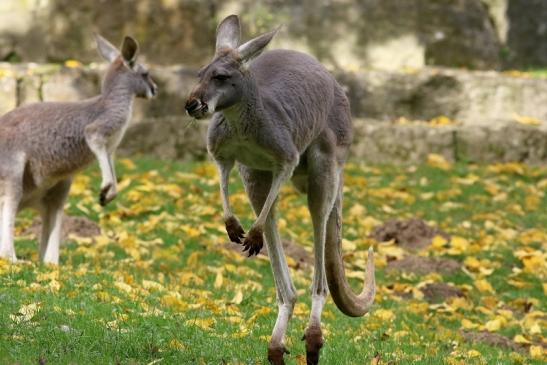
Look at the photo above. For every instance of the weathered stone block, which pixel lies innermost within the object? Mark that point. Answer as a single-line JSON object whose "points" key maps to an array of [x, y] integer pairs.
{"points": [[177, 137], [29, 89], [8, 94], [70, 84], [469, 97], [174, 86], [379, 142]]}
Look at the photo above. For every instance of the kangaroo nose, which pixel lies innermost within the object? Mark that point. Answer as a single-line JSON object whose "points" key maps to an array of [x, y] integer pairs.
{"points": [[192, 105]]}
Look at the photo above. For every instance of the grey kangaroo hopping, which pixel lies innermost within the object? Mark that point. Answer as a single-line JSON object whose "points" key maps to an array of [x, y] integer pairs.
{"points": [[282, 116], [43, 145]]}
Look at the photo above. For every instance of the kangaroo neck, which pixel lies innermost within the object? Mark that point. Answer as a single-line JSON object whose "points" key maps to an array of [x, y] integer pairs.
{"points": [[249, 111], [117, 97]]}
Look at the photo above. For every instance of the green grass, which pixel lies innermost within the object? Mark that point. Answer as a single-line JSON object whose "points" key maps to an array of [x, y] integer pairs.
{"points": [[160, 286], [541, 72]]}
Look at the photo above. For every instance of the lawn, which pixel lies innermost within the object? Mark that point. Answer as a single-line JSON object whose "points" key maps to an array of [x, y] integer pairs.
{"points": [[159, 285]]}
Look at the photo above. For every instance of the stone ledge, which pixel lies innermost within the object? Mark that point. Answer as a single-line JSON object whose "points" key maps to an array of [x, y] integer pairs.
{"points": [[392, 143], [468, 97], [375, 141]]}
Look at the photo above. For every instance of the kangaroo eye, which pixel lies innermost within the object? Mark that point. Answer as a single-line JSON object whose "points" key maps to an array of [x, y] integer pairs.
{"points": [[221, 77], [145, 74]]}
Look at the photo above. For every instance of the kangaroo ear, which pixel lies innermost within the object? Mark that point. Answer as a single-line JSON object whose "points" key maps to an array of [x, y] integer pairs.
{"points": [[228, 33], [254, 47], [106, 49], [130, 49]]}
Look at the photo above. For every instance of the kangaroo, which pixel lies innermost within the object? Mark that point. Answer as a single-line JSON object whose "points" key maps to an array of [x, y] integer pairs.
{"points": [[282, 116], [43, 145]]}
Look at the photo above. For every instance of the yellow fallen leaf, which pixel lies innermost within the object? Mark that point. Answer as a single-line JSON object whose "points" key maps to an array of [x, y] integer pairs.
{"points": [[54, 285], [123, 286], [442, 120], [536, 352], [458, 245], [484, 286], [473, 353], [522, 119], [456, 303], [384, 314], [218, 279], [73, 64], [174, 301], [471, 262], [176, 345], [25, 313], [521, 339], [467, 324], [193, 259], [495, 324], [204, 323], [152, 285], [438, 242], [238, 297], [438, 161]]}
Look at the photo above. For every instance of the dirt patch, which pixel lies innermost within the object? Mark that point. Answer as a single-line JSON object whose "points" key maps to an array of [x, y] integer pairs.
{"points": [[412, 234], [79, 226], [440, 292], [301, 257], [493, 339], [424, 265]]}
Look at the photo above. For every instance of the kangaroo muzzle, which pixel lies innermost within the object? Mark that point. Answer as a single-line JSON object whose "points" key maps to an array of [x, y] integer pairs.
{"points": [[196, 108]]}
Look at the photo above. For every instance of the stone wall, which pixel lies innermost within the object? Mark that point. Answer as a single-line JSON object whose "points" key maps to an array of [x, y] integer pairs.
{"points": [[345, 34], [483, 108]]}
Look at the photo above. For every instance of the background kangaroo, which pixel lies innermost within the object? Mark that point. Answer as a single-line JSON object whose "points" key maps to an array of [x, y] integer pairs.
{"points": [[281, 116], [42, 145]]}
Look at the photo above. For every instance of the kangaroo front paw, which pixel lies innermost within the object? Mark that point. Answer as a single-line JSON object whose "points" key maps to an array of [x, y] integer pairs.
{"points": [[108, 193], [254, 241], [234, 229], [275, 354]]}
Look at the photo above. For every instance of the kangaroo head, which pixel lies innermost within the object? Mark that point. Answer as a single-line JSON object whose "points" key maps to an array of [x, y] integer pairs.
{"points": [[221, 83], [124, 71]]}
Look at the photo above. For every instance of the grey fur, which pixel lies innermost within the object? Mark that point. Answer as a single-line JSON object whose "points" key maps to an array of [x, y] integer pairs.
{"points": [[282, 116], [43, 145]]}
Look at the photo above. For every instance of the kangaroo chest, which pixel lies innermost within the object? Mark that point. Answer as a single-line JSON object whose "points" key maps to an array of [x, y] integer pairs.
{"points": [[248, 153]]}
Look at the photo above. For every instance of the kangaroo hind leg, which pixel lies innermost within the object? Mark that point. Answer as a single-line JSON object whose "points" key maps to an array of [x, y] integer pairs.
{"points": [[52, 215]]}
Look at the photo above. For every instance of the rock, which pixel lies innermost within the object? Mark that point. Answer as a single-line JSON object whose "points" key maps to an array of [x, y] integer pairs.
{"points": [[380, 142], [493, 339], [424, 265], [301, 257], [527, 34], [8, 94], [440, 292], [174, 86], [483, 104], [70, 85], [29, 89], [181, 138], [355, 33], [471, 98], [79, 226], [413, 234], [504, 142]]}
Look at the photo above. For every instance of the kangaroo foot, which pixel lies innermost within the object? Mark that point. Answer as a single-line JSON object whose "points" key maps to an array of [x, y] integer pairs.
{"points": [[108, 193], [275, 354], [254, 241], [314, 342], [234, 230]]}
